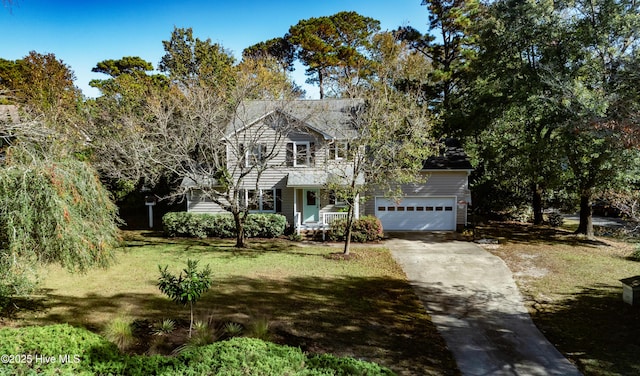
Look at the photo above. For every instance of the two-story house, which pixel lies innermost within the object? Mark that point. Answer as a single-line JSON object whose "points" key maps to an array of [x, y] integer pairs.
{"points": [[305, 143]]}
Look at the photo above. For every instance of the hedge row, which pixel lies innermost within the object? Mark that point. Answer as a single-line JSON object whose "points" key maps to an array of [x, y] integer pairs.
{"points": [[364, 229], [197, 225], [65, 350]]}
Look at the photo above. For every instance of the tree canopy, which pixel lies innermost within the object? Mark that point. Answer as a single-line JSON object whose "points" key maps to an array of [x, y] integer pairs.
{"points": [[333, 46]]}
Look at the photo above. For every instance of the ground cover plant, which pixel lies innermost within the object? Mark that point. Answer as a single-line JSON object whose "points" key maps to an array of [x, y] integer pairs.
{"points": [[572, 289], [63, 349], [362, 308]]}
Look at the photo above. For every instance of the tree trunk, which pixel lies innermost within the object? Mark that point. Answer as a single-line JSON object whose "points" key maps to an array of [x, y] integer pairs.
{"points": [[191, 322], [321, 83], [347, 233], [586, 220], [240, 238], [536, 190]]}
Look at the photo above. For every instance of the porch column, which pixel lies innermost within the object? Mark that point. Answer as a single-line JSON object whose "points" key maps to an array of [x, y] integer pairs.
{"points": [[356, 207], [295, 210]]}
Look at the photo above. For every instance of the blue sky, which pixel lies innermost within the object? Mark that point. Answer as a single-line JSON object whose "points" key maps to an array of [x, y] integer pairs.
{"points": [[82, 33]]}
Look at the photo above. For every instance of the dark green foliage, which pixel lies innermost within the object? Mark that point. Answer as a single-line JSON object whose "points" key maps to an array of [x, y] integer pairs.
{"points": [[183, 224], [127, 65], [364, 229], [237, 356], [345, 366], [53, 341], [265, 225], [185, 289]]}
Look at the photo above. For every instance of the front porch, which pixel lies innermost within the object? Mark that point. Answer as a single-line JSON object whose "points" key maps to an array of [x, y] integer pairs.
{"points": [[315, 227], [313, 213]]}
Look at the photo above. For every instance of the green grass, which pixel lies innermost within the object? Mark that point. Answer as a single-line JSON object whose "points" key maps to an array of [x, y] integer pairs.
{"points": [[362, 307], [575, 296]]}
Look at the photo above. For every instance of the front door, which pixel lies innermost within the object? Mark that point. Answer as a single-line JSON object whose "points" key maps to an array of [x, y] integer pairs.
{"points": [[311, 205]]}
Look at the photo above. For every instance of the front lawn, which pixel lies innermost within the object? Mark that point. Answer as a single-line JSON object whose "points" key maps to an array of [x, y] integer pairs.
{"points": [[571, 285], [362, 307]]}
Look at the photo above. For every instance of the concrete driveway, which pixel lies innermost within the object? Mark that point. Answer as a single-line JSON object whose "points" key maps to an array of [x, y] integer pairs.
{"points": [[476, 306]]}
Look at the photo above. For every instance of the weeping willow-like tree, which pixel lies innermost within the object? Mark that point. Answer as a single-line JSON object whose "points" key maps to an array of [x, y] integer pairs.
{"points": [[52, 213], [53, 209]]}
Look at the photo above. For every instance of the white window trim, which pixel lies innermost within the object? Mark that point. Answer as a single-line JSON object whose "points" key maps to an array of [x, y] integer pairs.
{"points": [[248, 154], [295, 153], [260, 203], [339, 147]]}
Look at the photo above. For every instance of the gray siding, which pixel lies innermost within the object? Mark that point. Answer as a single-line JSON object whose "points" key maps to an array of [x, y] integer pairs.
{"points": [[445, 183]]}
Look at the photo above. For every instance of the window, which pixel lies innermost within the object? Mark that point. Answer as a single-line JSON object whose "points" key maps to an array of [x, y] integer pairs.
{"points": [[268, 200], [334, 200], [199, 196], [254, 154], [311, 198], [262, 200], [300, 153], [338, 150]]}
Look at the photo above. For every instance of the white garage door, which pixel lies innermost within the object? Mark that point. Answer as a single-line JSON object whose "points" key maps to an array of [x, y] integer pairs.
{"points": [[417, 214]]}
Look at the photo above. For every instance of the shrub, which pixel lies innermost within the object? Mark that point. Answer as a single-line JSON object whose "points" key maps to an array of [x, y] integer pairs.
{"points": [[364, 229], [198, 225], [522, 214], [259, 328], [120, 333], [265, 225], [233, 329], [555, 219], [97, 356], [205, 334], [53, 341], [333, 365], [166, 326]]}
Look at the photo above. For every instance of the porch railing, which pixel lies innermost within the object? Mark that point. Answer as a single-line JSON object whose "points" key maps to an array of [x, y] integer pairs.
{"points": [[297, 219], [328, 218]]}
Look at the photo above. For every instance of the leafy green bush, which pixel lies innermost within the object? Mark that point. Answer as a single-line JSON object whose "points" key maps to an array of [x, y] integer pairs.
{"points": [[265, 225], [365, 229], [54, 341], [333, 365], [198, 225], [237, 356]]}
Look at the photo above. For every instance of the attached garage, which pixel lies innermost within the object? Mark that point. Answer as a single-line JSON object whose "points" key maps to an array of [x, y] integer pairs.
{"points": [[417, 213]]}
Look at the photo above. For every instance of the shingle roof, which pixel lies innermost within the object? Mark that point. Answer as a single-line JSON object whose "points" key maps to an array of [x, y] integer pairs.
{"points": [[318, 178], [329, 117], [452, 157]]}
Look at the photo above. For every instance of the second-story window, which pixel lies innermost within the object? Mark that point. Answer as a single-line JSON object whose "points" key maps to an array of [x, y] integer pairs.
{"points": [[254, 154], [300, 154], [338, 150]]}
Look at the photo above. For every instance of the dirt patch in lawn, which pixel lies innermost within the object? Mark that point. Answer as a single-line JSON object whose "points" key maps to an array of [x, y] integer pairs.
{"points": [[572, 289]]}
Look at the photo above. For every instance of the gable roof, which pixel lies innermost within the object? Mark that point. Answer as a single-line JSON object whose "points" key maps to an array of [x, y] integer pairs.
{"points": [[452, 157], [329, 117]]}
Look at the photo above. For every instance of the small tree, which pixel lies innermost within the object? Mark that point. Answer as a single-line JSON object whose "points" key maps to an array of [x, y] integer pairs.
{"points": [[185, 289], [393, 133]]}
